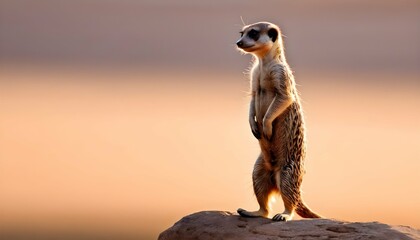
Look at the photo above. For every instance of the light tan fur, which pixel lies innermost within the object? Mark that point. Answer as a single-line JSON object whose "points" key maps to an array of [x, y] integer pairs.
{"points": [[276, 120]]}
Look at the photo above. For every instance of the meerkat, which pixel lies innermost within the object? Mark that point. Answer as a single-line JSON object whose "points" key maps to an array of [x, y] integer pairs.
{"points": [[276, 120]]}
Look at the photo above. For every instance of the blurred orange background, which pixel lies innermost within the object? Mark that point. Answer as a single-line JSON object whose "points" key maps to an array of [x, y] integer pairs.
{"points": [[117, 118]]}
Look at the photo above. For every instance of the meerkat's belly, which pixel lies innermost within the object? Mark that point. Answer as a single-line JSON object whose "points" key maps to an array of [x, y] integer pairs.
{"points": [[273, 150]]}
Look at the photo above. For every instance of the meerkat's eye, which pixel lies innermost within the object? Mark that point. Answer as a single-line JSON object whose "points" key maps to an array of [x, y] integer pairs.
{"points": [[253, 34], [242, 33]]}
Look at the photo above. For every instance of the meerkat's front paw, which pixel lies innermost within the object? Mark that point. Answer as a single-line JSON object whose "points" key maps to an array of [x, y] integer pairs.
{"points": [[282, 217], [254, 128]]}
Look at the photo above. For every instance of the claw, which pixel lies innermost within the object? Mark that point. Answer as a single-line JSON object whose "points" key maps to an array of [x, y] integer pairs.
{"points": [[256, 134], [279, 217]]}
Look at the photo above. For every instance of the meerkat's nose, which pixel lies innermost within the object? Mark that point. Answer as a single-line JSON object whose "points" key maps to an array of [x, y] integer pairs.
{"points": [[239, 43]]}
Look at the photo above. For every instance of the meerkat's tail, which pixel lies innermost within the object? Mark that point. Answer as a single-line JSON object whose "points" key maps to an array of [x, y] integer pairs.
{"points": [[303, 211]]}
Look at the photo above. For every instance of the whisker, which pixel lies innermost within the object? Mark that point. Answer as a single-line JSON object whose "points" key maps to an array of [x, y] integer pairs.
{"points": [[243, 22]]}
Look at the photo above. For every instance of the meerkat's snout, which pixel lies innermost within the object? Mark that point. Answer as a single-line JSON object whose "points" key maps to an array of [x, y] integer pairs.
{"points": [[249, 39], [239, 43]]}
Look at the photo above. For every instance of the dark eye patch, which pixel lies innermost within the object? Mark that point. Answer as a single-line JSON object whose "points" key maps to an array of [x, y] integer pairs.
{"points": [[242, 33], [253, 34]]}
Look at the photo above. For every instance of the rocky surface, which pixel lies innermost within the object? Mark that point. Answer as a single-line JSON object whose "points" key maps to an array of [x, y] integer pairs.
{"points": [[225, 225]]}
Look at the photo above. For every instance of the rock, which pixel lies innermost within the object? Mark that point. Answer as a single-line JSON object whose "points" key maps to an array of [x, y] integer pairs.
{"points": [[225, 225]]}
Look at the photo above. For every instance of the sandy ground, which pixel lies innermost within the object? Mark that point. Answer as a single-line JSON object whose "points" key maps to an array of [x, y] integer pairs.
{"points": [[80, 153]]}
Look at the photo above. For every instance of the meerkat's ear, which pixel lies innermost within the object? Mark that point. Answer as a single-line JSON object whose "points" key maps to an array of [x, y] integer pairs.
{"points": [[273, 34]]}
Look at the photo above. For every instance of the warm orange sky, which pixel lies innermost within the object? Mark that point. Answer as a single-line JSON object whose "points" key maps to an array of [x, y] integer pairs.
{"points": [[92, 154]]}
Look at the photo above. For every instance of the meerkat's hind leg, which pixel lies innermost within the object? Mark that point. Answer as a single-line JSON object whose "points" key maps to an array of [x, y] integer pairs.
{"points": [[287, 215], [289, 209], [264, 185], [245, 213], [287, 194]]}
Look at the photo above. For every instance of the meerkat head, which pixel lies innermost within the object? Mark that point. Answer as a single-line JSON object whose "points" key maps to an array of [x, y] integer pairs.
{"points": [[259, 38]]}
